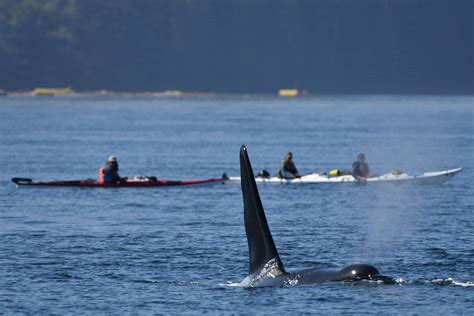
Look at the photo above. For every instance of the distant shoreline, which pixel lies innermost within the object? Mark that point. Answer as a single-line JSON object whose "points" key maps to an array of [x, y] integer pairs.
{"points": [[108, 93], [198, 94]]}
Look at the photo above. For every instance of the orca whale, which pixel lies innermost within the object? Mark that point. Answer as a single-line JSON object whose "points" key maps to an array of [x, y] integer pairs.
{"points": [[266, 267]]}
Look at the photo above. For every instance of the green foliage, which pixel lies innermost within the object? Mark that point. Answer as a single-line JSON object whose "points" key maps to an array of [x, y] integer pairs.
{"points": [[26, 26], [49, 38], [330, 46]]}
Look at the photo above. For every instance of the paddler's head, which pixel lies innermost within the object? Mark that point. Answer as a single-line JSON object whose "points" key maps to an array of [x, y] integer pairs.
{"points": [[361, 157], [288, 156], [112, 161]]}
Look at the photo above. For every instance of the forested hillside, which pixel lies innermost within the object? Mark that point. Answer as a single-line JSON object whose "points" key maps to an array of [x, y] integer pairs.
{"points": [[245, 46]]}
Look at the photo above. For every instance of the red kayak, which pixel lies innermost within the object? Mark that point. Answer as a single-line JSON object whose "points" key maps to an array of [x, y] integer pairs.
{"points": [[131, 183]]}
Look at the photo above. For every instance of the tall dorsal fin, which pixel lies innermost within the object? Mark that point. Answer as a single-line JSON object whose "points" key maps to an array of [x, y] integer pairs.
{"points": [[261, 246]]}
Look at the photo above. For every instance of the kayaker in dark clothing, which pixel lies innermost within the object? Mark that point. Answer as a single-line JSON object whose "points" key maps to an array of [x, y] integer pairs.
{"points": [[360, 170], [287, 168], [109, 173]]}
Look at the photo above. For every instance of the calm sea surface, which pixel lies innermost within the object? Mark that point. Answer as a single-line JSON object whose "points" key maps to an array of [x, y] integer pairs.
{"points": [[116, 251]]}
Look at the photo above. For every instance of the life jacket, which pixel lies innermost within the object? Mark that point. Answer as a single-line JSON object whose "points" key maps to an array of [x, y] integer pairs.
{"points": [[101, 176], [286, 171], [360, 169]]}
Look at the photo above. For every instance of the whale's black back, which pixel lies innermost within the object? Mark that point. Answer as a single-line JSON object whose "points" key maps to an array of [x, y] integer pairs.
{"points": [[261, 246]]}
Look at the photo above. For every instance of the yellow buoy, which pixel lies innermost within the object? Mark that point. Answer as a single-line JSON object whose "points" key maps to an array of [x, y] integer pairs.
{"points": [[288, 92]]}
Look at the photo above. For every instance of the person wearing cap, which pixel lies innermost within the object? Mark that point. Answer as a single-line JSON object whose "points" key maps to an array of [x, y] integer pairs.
{"points": [[109, 173], [360, 169], [287, 168]]}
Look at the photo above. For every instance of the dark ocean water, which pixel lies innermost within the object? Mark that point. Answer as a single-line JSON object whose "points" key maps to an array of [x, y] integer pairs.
{"points": [[116, 251]]}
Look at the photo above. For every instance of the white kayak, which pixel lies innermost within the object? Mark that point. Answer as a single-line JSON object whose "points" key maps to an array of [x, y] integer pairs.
{"points": [[434, 178]]}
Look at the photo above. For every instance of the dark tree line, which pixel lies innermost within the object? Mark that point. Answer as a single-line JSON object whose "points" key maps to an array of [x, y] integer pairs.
{"points": [[323, 46]]}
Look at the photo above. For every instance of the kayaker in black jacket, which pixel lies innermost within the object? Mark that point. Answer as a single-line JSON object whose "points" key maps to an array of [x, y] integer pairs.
{"points": [[360, 169], [287, 168], [109, 173]]}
